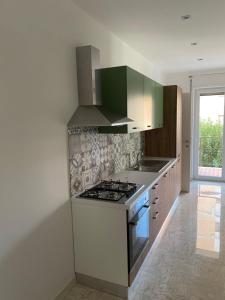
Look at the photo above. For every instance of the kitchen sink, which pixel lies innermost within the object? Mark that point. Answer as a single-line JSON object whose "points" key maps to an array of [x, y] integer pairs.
{"points": [[150, 165]]}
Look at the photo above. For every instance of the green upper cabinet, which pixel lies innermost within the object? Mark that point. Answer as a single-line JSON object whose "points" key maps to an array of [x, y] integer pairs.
{"points": [[148, 103], [128, 92], [158, 105], [153, 97], [122, 92]]}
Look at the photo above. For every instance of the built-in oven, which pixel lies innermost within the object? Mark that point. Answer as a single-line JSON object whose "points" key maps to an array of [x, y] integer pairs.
{"points": [[138, 228]]}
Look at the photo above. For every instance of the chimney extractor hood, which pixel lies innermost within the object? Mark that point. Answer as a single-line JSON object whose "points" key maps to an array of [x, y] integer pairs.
{"points": [[90, 112]]}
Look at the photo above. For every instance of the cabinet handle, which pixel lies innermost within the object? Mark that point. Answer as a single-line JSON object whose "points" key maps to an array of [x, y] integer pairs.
{"points": [[149, 126], [155, 186], [165, 175], [156, 215], [156, 200], [135, 128]]}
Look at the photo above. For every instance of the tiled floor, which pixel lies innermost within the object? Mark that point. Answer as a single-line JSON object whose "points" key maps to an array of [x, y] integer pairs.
{"points": [[189, 261]]}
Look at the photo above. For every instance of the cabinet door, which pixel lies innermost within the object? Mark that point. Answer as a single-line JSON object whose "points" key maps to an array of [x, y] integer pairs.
{"points": [[153, 101], [113, 93], [158, 104], [155, 221], [135, 100], [149, 118], [165, 195], [173, 183], [179, 123], [179, 174]]}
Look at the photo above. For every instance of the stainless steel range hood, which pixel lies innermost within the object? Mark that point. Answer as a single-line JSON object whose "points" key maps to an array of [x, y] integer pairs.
{"points": [[90, 111]]}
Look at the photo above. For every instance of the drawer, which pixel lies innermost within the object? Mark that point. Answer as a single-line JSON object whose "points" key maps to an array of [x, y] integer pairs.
{"points": [[155, 225], [155, 202], [155, 190]]}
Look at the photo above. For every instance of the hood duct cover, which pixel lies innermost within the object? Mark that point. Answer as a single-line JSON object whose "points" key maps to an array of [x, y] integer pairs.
{"points": [[90, 112]]}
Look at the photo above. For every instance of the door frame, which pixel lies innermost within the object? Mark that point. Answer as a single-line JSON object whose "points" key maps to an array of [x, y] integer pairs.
{"points": [[195, 157]]}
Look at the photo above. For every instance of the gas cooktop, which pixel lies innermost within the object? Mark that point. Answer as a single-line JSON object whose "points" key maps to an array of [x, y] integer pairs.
{"points": [[115, 191]]}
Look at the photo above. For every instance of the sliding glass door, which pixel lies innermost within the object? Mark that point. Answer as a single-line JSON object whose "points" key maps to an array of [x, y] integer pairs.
{"points": [[208, 154]]}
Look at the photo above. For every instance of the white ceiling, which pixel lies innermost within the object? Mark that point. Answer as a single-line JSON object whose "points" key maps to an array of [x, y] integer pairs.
{"points": [[155, 29]]}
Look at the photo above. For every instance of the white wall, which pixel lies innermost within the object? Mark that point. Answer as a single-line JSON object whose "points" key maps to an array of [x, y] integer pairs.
{"points": [[180, 79], [37, 97], [205, 78]]}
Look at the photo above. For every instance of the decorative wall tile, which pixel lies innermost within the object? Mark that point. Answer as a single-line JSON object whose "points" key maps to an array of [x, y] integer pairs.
{"points": [[76, 185], [76, 159], [87, 178], [75, 144], [86, 161], [95, 156]]}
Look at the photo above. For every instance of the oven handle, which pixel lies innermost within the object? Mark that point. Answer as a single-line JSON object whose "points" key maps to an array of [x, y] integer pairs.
{"points": [[145, 208]]}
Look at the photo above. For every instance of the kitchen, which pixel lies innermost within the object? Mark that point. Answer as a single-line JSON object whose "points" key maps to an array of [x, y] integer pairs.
{"points": [[99, 193], [114, 187]]}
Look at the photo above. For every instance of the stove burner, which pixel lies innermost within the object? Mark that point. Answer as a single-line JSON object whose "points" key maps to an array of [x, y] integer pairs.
{"points": [[113, 196], [117, 185], [111, 191]]}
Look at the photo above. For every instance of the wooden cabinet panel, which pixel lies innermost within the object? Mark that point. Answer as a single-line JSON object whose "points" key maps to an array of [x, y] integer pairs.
{"points": [[163, 195], [166, 141], [179, 123], [179, 172], [155, 222]]}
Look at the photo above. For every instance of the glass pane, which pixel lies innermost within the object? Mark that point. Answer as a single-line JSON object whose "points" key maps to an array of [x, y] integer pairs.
{"points": [[211, 122]]}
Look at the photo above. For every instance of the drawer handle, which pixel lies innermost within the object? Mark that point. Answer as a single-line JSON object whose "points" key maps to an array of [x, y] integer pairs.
{"points": [[165, 175], [155, 186], [156, 200], [149, 126], [135, 128], [156, 215]]}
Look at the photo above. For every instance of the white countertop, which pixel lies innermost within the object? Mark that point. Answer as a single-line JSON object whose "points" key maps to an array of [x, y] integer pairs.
{"points": [[147, 179]]}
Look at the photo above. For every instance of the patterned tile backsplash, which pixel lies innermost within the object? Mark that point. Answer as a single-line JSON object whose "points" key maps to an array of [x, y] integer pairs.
{"points": [[94, 156]]}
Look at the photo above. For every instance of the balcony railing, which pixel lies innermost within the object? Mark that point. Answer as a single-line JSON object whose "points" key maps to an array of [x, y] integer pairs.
{"points": [[211, 151]]}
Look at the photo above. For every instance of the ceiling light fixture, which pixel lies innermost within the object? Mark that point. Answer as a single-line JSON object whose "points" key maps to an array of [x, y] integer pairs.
{"points": [[185, 17], [194, 44]]}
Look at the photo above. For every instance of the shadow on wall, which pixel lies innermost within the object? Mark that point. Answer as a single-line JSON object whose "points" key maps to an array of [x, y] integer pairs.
{"points": [[27, 273]]}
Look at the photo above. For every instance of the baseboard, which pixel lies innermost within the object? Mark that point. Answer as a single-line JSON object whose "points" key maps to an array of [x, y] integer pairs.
{"points": [[102, 285], [66, 290]]}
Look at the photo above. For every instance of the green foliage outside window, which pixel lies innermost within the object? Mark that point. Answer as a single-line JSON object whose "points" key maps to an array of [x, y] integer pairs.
{"points": [[211, 144]]}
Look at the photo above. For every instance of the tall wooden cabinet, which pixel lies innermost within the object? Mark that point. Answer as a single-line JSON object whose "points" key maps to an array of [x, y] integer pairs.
{"points": [[167, 141]]}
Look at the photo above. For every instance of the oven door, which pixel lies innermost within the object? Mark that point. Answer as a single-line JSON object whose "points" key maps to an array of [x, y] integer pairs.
{"points": [[138, 231]]}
